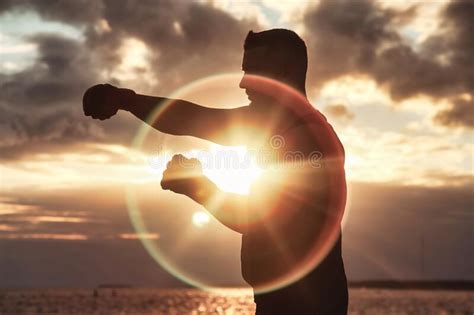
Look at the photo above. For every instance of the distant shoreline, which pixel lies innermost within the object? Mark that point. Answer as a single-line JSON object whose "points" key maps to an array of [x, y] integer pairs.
{"points": [[362, 284], [410, 285]]}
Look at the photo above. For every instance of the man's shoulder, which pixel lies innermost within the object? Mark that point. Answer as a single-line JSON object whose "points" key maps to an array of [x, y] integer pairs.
{"points": [[314, 127], [313, 122]]}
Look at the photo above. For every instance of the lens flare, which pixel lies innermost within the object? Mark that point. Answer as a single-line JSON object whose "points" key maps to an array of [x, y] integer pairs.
{"points": [[208, 258], [200, 219]]}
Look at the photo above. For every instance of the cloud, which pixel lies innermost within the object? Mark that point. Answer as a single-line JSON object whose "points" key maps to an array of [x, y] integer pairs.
{"points": [[41, 105], [361, 37], [183, 45], [460, 114], [343, 36], [59, 75], [25, 134], [76, 12], [62, 211]]}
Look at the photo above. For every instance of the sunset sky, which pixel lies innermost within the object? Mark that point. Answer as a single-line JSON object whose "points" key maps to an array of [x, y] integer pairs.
{"points": [[394, 78]]}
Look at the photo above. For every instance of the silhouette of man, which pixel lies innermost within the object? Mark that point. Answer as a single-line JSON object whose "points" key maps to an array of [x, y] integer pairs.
{"points": [[293, 210]]}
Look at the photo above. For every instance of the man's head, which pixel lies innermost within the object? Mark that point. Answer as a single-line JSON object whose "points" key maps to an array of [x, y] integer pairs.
{"points": [[279, 54]]}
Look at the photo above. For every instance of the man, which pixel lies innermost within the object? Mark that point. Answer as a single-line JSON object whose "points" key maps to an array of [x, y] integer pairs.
{"points": [[290, 221]]}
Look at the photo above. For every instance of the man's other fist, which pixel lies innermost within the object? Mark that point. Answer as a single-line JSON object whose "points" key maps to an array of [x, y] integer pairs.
{"points": [[182, 175], [102, 101]]}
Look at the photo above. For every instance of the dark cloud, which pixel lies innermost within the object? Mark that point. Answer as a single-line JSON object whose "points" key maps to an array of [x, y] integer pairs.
{"points": [[40, 106], [70, 12], [25, 134], [460, 114], [58, 76], [360, 37], [343, 36], [455, 42]]}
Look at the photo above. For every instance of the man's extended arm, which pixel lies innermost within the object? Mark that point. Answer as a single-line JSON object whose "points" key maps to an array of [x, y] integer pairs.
{"points": [[172, 116], [179, 117]]}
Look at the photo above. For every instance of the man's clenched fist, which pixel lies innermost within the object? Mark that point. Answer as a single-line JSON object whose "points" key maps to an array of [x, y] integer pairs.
{"points": [[182, 175], [102, 101]]}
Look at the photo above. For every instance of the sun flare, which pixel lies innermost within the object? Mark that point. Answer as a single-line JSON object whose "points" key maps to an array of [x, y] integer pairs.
{"points": [[233, 169]]}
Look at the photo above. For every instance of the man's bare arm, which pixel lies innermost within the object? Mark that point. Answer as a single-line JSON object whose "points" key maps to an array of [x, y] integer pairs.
{"points": [[172, 116], [180, 117]]}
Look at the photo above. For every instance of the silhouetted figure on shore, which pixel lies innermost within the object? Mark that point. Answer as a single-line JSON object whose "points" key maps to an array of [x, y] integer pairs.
{"points": [[294, 210]]}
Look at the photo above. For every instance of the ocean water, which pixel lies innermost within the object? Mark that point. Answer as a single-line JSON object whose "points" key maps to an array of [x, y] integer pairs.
{"points": [[231, 301]]}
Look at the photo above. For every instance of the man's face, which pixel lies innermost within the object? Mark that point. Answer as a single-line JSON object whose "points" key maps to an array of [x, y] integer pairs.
{"points": [[255, 62]]}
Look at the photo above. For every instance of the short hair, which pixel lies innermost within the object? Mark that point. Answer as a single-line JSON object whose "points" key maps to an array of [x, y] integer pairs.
{"points": [[285, 41]]}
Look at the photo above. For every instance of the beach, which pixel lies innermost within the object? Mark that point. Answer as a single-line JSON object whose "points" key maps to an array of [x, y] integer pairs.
{"points": [[228, 301]]}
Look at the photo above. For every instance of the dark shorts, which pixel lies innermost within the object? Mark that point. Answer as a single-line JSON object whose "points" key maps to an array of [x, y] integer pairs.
{"points": [[301, 299], [323, 291]]}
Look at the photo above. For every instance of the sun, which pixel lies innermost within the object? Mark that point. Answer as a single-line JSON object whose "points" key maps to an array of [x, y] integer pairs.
{"points": [[233, 169]]}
